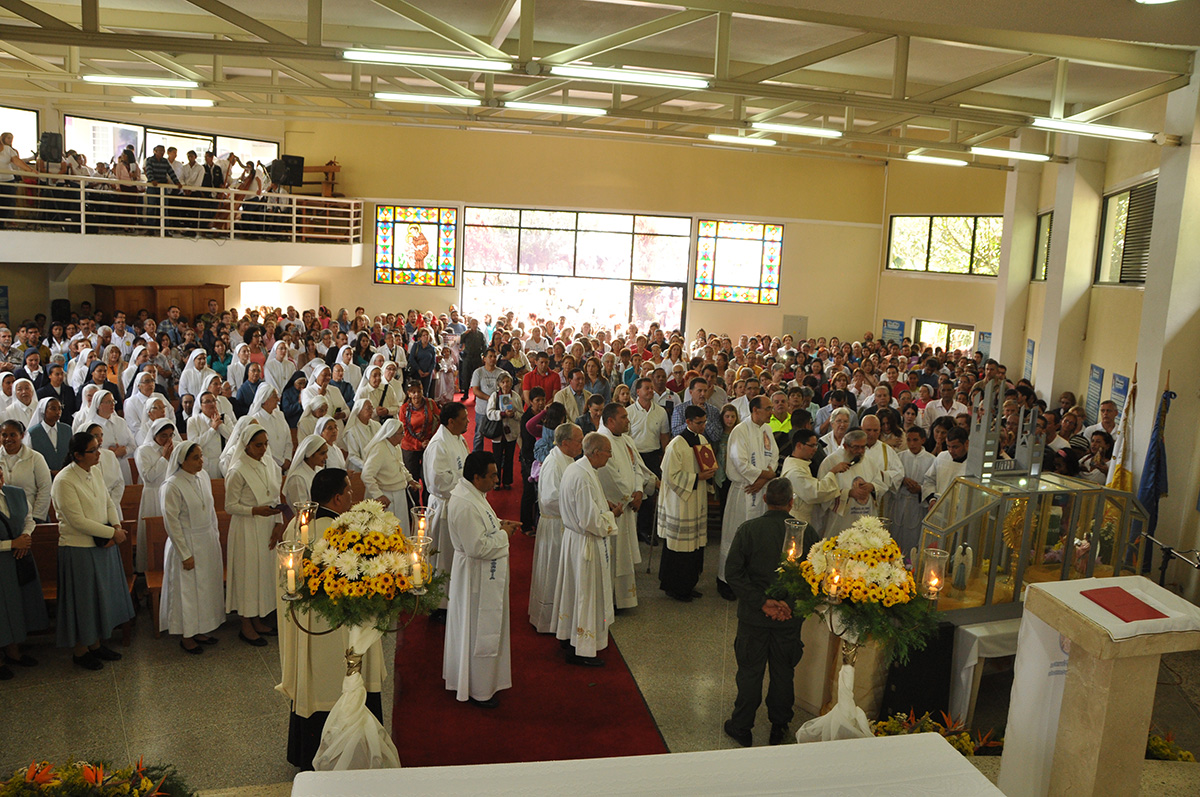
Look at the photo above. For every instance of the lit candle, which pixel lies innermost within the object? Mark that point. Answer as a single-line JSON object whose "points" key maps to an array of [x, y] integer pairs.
{"points": [[304, 533], [418, 578], [791, 554], [835, 581], [933, 583], [421, 526], [291, 579]]}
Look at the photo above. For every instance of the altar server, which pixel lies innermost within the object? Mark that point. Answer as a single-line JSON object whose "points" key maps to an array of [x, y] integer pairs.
{"points": [[626, 482], [265, 410], [547, 545], [384, 475], [750, 459], [908, 510], [93, 593], [310, 457], [210, 429], [442, 464], [688, 466], [48, 435], [252, 487], [22, 607], [25, 469], [476, 658], [946, 467], [583, 596], [193, 600], [153, 458]]}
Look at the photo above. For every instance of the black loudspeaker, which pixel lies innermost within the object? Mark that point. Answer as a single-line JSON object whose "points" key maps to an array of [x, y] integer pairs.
{"points": [[293, 171], [60, 310], [275, 172], [51, 147]]}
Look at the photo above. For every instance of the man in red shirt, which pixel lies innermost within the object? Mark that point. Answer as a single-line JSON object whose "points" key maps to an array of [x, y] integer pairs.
{"points": [[541, 377]]}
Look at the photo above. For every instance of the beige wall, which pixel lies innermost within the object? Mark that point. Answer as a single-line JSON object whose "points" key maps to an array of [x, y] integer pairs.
{"points": [[85, 276], [28, 290], [1114, 316]]}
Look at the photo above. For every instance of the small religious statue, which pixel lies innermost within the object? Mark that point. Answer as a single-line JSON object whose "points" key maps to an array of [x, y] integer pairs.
{"points": [[960, 565]]}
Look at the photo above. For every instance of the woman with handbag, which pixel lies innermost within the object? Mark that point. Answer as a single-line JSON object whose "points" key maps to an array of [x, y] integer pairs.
{"points": [[503, 427]]}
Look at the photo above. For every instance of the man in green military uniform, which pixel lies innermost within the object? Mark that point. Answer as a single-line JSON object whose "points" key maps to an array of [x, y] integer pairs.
{"points": [[768, 634]]}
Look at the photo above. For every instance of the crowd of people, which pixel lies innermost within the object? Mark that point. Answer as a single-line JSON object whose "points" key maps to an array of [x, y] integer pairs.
{"points": [[617, 438]]}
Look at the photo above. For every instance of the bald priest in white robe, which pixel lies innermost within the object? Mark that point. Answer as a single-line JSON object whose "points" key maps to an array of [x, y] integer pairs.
{"points": [[314, 666], [750, 460], [627, 482], [476, 656], [856, 498], [886, 466], [583, 599], [547, 545]]}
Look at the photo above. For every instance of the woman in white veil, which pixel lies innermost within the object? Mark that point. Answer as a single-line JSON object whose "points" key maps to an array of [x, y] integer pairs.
{"points": [[311, 455], [78, 368], [209, 429], [279, 368], [328, 430], [156, 407], [195, 373], [80, 422], [236, 370], [153, 457], [360, 430], [23, 404], [117, 438], [384, 475], [266, 410], [135, 406], [353, 374]]}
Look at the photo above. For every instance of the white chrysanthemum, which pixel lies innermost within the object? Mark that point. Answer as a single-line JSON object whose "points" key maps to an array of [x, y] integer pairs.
{"points": [[373, 567], [348, 564], [392, 562], [818, 559]]}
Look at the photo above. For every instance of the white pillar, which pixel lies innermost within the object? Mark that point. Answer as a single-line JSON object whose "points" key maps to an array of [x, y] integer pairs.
{"points": [[1169, 337], [1077, 202], [1016, 257]]}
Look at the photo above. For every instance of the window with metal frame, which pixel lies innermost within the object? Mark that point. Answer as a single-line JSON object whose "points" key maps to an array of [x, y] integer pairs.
{"points": [[101, 140], [738, 261], [23, 125], [946, 244], [1041, 251], [1124, 251]]}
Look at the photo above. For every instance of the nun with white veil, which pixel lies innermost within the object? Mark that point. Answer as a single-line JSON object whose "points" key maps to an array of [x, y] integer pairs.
{"points": [[24, 403], [135, 406], [360, 431], [384, 475], [374, 388], [231, 443], [209, 429], [266, 410], [352, 374], [156, 407], [193, 600], [110, 468], [153, 457], [318, 385], [279, 367], [327, 429], [317, 409], [102, 411], [137, 358], [224, 406], [236, 371], [79, 368], [80, 422], [252, 488], [311, 455], [195, 373]]}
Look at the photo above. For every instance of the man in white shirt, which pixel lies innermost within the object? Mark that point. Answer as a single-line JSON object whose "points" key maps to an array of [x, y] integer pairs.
{"points": [[742, 403], [750, 461], [946, 405], [650, 429], [121, 336], [191, 177], [667, 399], [1108, 420], [882, 397], [627, 482]]}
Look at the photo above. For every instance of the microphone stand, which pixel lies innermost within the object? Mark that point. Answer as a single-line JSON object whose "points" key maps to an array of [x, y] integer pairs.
{"points": [[1169, 553]]}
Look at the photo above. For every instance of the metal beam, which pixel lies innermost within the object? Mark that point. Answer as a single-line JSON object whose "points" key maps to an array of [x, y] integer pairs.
{"points": [[444, 82], [525, 44], [167, 44], [1130, 100], [721, 59], [900, 69], [243, 21], [441, 28], [316, 18], [29, 58], [1058, 101], [89, 14], [772, 71], [35, 15], [624, 37], [506, 20]]}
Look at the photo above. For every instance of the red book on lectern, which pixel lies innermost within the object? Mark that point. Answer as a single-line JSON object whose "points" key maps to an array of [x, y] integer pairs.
{"points": [[1124, 605]]}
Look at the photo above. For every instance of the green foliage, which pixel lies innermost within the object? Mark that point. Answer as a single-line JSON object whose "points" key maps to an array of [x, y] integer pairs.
{"points": [[1163, 748], [375, 610], [95, 779]]}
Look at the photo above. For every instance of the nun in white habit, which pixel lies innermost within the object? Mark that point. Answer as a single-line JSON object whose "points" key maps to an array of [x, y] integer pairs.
{"points": [[209, 429], [231, 442], [317, 409], [153, 456], [117, 438], [327, 429], [224, 405], [192, 602], [236, 372], [352, 374], [384, 475], [157, 408], [110, 469], [136, 358], [265, 410], [311, 455], [318, 386], [78, 369], [279, 367], [361, 429], [252, 488], [23, 404], [80, 422], [135, 405], [195, 373]]}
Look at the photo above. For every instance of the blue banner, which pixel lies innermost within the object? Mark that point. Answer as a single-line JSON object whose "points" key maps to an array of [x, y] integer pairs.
{"points": [[1029, 349], [893, 331], [1120, 389], [1095, 385], [983, 343]]}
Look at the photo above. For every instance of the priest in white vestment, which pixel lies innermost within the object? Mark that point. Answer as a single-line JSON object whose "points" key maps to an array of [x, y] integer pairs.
{"points": [[886, 467], [583, 600], [688, 467], [476, 656], [445, 456], [947, 466], [626, 481], [750, 459], [856, 497], [809, 492], [547, 545], [908, 510]]}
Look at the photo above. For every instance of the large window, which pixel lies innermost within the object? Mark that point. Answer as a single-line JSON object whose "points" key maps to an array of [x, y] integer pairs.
{"points": [[197, 142], [415, 245], [24, 127], [1041, 252], [579, 264], [946, 244], [738, 261], [248, 149], [945, 335], [99, 140], [1125, 237]]}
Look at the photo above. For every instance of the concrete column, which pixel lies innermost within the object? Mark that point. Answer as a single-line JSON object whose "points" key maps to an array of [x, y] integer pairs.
{"points": [[1077, 201], [1016, 256], [1169, 337]]}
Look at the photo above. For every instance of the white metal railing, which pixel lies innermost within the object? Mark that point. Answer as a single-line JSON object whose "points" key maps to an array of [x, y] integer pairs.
{"points": [[107, 206]]}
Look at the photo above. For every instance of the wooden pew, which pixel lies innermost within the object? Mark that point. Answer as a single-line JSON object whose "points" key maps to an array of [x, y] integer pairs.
{"points": [[45, 554], [357, 488], [131, 501], [218, 491], [156, 538]]}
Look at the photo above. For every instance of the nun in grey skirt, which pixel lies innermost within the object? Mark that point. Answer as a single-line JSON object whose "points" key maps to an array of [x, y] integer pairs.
{"points": [[22, 608], [93, 594]]}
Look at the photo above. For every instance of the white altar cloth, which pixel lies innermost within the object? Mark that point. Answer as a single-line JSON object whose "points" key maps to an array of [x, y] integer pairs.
{"points": [[972, 643], [898, 765]]}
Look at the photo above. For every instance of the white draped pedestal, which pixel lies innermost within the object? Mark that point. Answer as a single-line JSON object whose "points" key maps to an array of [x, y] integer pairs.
{"points": [[923, 764], [1083, 689], [972, 644]]}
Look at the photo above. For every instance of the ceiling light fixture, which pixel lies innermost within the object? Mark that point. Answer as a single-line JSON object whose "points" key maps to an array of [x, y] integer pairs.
{"points": [[936, 161], [547, 107], [744, 140], [1153, 2], [428, 59], [1014, 154], [428, 99], [156, 82], [182, 101], [1088, 129], [630, 76], [797, 130]]}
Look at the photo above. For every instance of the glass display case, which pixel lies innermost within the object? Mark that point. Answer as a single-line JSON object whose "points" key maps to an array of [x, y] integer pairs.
{"points": [[1007, 531]]}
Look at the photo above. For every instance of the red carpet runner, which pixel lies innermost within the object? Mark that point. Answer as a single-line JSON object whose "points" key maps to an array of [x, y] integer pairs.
{"points": [[554, 711]]}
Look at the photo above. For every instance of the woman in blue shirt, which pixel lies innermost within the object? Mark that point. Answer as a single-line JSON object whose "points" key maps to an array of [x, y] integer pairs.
{"points": [[220, 359]]}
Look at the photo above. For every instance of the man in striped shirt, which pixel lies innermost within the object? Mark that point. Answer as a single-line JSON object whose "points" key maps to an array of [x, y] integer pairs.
{"points": [[158, 171]]}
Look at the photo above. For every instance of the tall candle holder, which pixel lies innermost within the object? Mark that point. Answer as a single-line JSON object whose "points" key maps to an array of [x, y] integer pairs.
{"points": [[793, 539], [306, 511], [417, 560], [291, 562], [933, 572], [420, 522]]}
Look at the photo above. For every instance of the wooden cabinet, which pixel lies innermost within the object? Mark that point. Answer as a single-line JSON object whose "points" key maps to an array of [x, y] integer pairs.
{"points": [[192, 300]]}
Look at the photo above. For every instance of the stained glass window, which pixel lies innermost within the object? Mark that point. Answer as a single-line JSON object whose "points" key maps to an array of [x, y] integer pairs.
{"points": [[738, 261], [415, 245]]}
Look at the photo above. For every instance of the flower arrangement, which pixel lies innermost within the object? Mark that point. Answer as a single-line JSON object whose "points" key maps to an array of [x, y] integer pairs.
{"points": [[365, 571], [94, 779], [953, 732], [1163, 748], [862, 572]]}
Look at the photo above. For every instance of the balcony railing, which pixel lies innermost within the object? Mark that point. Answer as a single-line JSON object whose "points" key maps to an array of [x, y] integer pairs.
{"points": [[107, 206]]}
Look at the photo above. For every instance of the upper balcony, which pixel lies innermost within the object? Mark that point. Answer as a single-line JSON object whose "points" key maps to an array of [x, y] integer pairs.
{"points": [[72, 219]]}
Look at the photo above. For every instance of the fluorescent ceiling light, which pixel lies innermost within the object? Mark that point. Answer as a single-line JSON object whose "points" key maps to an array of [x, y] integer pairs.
{"points": [[157, 82], [184, 101], [746, 140], [547, 107], [1153, 2], [1088, 129], [428, 99], [798, 130], [630, 76], [938, 161], [1014, 154], [428, 59]]}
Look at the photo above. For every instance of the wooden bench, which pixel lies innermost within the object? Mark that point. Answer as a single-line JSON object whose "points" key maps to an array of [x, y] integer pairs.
{"points": [[156, 539], [45, 555], [357, 488], [131, 501], [218, 491]]}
